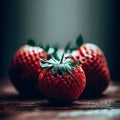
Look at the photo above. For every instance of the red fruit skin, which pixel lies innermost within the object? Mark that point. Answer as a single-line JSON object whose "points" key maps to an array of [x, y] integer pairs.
{"points": [[62, 88], [93, 62], [25, 68]]}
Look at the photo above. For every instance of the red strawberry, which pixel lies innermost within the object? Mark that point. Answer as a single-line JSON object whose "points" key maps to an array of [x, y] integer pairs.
{"points": [[93, 61], [25, 68], [61, 81]]}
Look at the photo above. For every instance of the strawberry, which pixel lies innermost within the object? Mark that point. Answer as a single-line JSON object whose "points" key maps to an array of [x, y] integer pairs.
{"points": [[24, 68], [61, 81], [93, 62]]}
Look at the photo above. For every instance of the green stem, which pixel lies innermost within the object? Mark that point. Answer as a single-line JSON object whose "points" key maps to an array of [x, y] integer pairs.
{"points": [[62, 58]]}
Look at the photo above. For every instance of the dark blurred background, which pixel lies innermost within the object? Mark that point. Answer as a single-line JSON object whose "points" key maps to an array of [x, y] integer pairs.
{"points": [[57, 22]]}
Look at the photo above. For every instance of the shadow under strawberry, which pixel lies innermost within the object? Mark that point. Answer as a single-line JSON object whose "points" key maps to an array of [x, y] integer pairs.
{"points": [[89, 96]]}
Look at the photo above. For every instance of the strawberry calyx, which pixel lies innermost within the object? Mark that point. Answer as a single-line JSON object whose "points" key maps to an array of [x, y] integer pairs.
{"points": [[49, 50], [31, 42], [79, 43], [57, 65]]}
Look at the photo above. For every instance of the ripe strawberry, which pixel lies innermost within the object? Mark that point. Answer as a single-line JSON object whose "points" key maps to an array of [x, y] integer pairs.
{"points": [[24, 69], [93, 62], [61, 81]]}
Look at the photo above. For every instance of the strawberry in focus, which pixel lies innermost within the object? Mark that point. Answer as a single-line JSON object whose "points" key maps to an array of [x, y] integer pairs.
{"points": [[61, 81], [24, 69], [93, 62]]}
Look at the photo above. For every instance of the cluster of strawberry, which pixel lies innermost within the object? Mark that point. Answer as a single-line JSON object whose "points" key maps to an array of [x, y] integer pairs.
{"points": [[38, 71]]}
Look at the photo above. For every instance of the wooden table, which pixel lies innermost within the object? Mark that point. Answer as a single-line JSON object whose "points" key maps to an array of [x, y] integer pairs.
{"points": [[14, 107]]}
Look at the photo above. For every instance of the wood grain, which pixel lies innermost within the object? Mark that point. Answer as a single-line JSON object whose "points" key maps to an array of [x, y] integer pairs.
{"points": [[15, 107]]}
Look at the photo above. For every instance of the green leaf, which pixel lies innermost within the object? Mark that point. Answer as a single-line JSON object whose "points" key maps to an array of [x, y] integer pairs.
{"points": [[43, 60], [46, 65], [68, 68], [55, 56], [67, 48], [67, 60], [55, 70], [50, 51], [31, 42], [74, 64], [55, 49], [79, 40], [62, 69], [62, 58], [41, 46], [46, 48], [51, 61], [74, 48]]}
